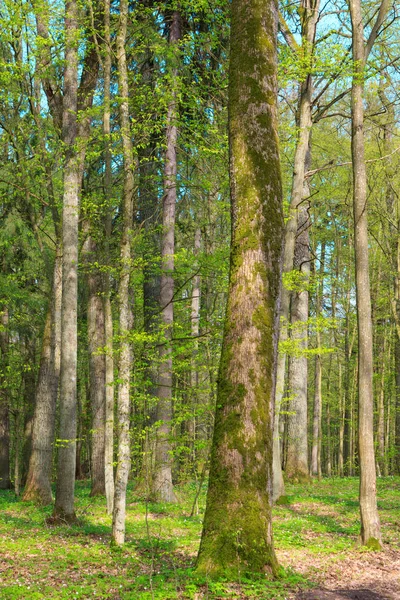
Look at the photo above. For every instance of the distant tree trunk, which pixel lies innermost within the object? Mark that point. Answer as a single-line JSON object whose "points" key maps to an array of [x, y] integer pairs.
{"points": [[28, 406], [97, 366], [328, 427], [237, 531], [125, 315], [38, 481], [317, 416], [297, 436], [304, 122], [64, 504], [162, 480], [194, 369], [381, 409], [108, 322], [370, 525], [341, 423], [4, 407]]}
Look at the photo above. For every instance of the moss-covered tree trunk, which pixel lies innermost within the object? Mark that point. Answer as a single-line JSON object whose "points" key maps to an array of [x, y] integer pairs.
{"points": [[237, 532]]}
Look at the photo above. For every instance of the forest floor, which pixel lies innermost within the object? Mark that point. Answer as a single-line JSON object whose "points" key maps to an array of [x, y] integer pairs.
{"points": [[315, 539]]}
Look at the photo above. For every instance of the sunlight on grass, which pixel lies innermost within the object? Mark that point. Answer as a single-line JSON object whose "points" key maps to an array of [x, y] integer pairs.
{"points": [[38, 561]]}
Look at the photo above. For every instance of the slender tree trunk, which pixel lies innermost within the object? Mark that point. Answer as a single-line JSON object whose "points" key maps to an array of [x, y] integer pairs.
{"points": [[4, 407], [304, 122], [237, 531], [381, 410], [108, 322], [28, 406], [125, 315], [64, 504], [162, 481], [341, 424], [97, 366], [317, 416], [194, 370], [297, 445], [328, 428], [370, 525], [38, 481]]}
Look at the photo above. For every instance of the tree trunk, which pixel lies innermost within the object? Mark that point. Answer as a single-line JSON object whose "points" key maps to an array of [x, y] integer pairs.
{"points": [[297, 443], [38, 482], [341, 424], [370, 525], [317, 416], [381, 410], [108, 322], [194, 369], [304, 123], [64, 504], [125, 315], [4, 408], [97, 367], [162, 480], [237, 531]]}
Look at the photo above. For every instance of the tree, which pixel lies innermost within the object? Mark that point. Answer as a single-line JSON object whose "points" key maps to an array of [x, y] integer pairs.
{"points": [[370, 524], [308, 13], [64, 504], [237, 531], [162, 481], [125, 313]]}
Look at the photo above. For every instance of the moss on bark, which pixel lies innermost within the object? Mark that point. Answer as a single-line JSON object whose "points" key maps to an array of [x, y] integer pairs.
{"points": [[237, 533]]}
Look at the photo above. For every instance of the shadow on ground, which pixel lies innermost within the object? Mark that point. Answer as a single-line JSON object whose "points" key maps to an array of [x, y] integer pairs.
{"points": [[360, 594]]}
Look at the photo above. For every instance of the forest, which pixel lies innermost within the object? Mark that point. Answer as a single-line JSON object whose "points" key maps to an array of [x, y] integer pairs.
{"points": [[200, 299]]}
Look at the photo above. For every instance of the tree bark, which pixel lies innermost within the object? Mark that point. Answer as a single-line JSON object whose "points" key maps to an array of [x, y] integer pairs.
{"points": [[108, 322], [304, 122], [97, 367], [370, 525], [297, 441], [317, 416], [125, 315], [38, 482], [4, 407], [64, 504], [162, 481], [237, 531]]}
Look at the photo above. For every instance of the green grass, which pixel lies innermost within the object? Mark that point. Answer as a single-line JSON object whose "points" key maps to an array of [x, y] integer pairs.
{"points": [[42, 562]]}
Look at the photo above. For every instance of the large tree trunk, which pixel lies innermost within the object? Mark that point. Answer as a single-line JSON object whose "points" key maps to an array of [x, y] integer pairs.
{"points": [[162, 480], [64, 504], [297, 442], [370, 525], [125, 315], [38, 482], [237, 531]]}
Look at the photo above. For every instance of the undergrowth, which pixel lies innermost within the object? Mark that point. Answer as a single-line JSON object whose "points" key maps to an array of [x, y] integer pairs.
{"points": [[38, 561]]}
